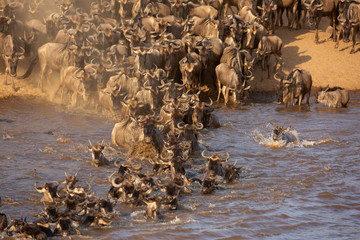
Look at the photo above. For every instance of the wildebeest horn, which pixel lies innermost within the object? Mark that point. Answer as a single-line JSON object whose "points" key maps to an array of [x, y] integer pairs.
{"points": [[114, 184], [199, 126], [109, 178], [89, 188], [320, 5], [137, 167], [159, 119], [276, 78], [90, 143], [227, 157], [181, 125], [203, 154], [20, 53], [235, 162], [147, 87], [168, 157], [209, 104], [77, 72], [249, 76]]}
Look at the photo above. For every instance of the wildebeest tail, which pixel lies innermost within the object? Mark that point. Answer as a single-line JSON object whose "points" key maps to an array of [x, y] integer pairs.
{"points": [[31, 67]]}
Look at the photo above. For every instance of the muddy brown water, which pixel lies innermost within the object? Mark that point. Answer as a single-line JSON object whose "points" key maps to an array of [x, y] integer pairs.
{"points": [[309, 190]]}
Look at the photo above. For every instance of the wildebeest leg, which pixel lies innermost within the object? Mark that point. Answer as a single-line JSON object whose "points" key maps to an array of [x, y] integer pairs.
{"points": [[225, 8], [268, 65], [225, 92], [317, 22], [332, 19], [262, 68], [42, 76], [73, 99], [234, 97], [300, 99], [280, 16], [13, 84], [354, 32], [338, 35], [294, 15], [219, 90], [62, 94], [278, 61], [288, 17]]}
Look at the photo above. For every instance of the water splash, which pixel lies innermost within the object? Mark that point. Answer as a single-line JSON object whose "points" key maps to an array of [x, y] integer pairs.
{"points": [[267, 140]]}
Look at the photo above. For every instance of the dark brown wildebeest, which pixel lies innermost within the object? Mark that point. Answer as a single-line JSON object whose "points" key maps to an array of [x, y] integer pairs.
{"points": [[268, 13], [350, 22], [319, 8], [296, 85], [291, 7]]}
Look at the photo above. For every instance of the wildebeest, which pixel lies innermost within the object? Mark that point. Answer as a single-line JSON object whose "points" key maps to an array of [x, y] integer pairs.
{"points": [[73, 79], [98, 158], [319, 8], [291, 7], [133, 130], [53, 57], [268, 14], [49, 191], [229, 78], [9, 51], [3, 221], [333, 97], [191, 70], [296, 85], [349, 21], [269, 45], [280, 133]]}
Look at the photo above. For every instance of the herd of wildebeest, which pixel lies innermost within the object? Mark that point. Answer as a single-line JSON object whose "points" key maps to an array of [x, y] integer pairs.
{"points": [[149, 64]]}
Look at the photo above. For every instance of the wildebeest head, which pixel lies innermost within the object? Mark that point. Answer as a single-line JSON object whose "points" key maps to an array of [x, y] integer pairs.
{"points": [[3, 221], [209, 184], [278, 132], [285, 93], [346, 24], [32, 230], [97, 155], [64, 226], [11, 55], [313, 8], [70, 180], [49, 191], [231, 172], [16, 225], [267, 9], [250, 36], [153, 207], [214, 165]]}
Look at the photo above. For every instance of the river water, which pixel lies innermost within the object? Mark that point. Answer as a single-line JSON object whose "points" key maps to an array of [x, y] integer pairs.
{"points": [[309, 190]]}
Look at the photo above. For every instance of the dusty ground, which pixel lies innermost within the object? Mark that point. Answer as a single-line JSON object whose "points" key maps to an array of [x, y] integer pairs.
{"points": [[328, 66]]}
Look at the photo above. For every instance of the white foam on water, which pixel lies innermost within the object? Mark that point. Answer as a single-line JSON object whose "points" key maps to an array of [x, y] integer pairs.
{"points": [[269, 142]]}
